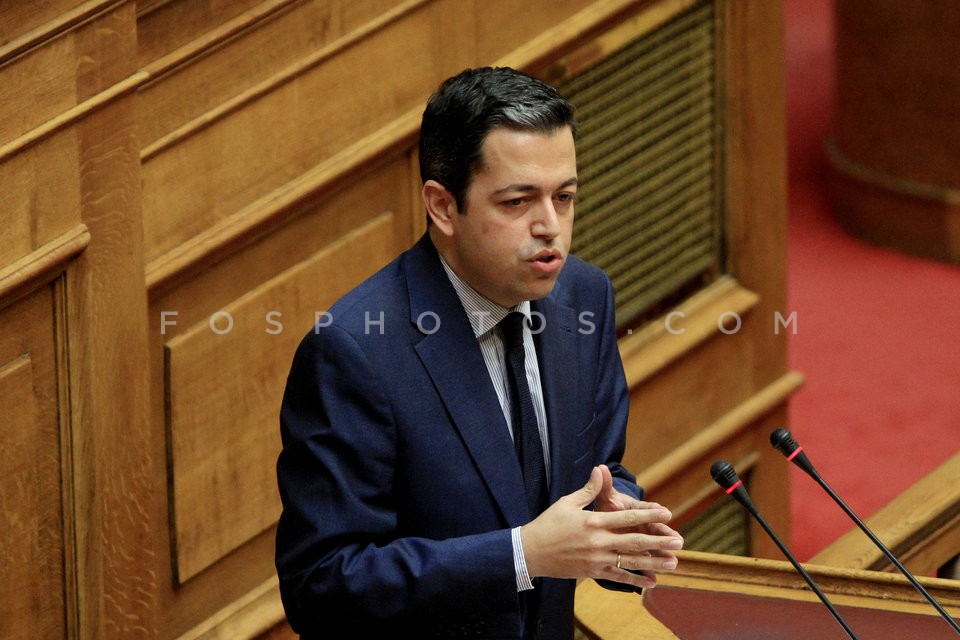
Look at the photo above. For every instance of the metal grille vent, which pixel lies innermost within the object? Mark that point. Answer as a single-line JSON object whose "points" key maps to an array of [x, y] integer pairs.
{"points": [[648, 212], [722, 528]]}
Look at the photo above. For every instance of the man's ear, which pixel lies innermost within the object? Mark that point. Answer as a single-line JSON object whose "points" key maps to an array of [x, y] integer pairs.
{"points": [[441, 206]]}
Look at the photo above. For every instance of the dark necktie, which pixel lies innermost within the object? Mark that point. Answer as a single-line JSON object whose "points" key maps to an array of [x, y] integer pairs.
{"points": [[526, 433]]}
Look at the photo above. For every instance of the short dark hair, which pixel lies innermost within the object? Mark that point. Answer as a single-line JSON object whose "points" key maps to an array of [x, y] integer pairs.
{"points": [[468, 106]]}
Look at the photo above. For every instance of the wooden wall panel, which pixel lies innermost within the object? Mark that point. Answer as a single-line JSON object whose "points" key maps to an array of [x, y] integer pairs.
{"points": [[38, 86], [191, 608], [223, 426], [33, 575], [49, 79], [499, 30], [39, 194], [20, 18], [271, 39], [165, 25], [253, 150], [687, 395]]}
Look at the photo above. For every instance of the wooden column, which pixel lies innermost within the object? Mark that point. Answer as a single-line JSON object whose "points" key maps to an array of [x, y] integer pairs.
{"points": [[894, 152]]}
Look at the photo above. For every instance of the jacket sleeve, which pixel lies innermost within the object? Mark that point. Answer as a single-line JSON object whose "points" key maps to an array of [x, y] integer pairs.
{"points": [[612, 402], [338, 553], [612, 407]]}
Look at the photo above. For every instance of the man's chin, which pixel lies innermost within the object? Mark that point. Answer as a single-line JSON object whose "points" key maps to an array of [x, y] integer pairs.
{"points": [[542, 289]]}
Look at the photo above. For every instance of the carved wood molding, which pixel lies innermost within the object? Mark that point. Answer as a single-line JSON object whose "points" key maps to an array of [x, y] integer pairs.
{"points": [[898, 185], [63, 23], [187, 55], [698, 569], [253, 614], [696, 320], [623, 20], [146, 7], [722, 430], [40, 264], [71, 116], [263, 214], [196, 50]]}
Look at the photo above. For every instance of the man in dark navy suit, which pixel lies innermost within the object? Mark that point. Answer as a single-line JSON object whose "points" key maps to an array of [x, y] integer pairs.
{"points": [[452, 438]]}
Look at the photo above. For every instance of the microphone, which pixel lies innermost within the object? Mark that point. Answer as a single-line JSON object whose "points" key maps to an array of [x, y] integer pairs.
{"points": [[783, 442], [724, 475]]}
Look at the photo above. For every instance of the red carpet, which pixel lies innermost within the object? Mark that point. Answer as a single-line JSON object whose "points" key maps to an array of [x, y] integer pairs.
{"points": [[877, 337]]}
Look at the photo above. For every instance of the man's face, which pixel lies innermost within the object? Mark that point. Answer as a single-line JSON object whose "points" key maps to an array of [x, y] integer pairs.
{"points": [[513, 238]]}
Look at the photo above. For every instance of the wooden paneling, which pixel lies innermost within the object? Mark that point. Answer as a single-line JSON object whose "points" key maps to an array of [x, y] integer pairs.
{"points": [[165, 25], [33, 575], [242, 53], [251, 149], [37, 86], [49, 80], [39, 194], [209, 601], [223, 431], [20, 18]]}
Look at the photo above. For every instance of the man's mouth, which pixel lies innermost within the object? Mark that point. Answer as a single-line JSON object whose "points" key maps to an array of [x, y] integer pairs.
{"points": [[547, 255], [547, 260]]}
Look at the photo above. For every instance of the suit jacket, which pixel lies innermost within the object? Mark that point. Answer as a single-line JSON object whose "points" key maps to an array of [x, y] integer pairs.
{"points": [[398, 476]]}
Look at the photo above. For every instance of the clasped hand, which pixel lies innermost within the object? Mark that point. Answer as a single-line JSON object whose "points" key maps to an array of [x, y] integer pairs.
{"points": [[568, 541]]}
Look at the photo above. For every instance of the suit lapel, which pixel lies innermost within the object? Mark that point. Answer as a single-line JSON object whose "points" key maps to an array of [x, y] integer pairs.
{"points": [[559, 377], [455, 364]]}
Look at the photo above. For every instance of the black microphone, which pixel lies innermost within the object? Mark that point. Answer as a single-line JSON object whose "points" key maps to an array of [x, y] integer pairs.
{"points": [[724, 474], [783, 442]]}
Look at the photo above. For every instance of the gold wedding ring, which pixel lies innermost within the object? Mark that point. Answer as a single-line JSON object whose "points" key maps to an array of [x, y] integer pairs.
{"points": [[618, 561]]}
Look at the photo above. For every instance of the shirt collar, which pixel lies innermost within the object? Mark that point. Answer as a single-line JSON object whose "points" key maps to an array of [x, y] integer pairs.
{"points": [[484, 314]]}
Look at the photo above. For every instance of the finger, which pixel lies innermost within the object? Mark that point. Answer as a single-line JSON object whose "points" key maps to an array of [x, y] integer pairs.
{"points": [[632, 519], [662, 529], [639, 579], [629, 502], [656, 524], [658, 529], [666, 562], [640, 544], [606, 491], [663, 553], [642, 504], [582, 497], [648, 562]]}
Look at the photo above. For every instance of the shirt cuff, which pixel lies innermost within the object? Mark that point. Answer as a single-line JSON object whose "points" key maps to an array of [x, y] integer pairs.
{"points": [[524, 583]]}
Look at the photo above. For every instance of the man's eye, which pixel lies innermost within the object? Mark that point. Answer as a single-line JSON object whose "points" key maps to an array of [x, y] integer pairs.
{"points": [[515, 202], [566, 197]]}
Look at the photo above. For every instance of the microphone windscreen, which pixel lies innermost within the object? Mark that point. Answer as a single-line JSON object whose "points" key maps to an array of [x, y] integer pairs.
{"points": [[724, 474], [783, 441]]}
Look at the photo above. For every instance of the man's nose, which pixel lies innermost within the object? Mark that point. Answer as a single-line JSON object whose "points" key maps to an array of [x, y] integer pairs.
{"points": [[547, 222]]}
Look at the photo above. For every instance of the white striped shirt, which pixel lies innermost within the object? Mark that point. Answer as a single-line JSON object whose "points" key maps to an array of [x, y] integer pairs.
{"points": [[484, 315]]}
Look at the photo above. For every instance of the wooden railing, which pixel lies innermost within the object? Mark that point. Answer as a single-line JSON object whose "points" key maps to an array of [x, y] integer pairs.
{"points": [[921, 527]]}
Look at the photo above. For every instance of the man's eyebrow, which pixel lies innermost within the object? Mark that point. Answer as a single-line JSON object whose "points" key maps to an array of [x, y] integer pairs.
{"points": [[525, 187], [516, 187]]}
